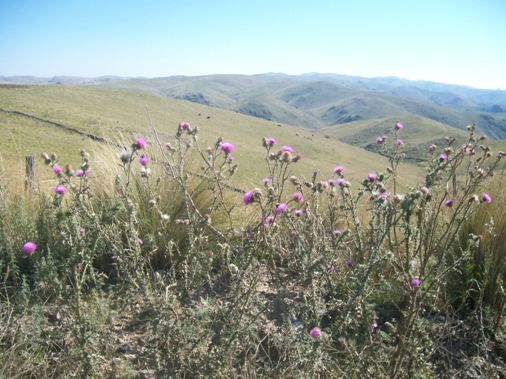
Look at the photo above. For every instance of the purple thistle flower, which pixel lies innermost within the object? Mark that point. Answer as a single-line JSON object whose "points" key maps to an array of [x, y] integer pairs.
{"points": [[399, 142], [141, 143], [281, 208], [298, 197], [82, 231], [337, 233], [80, 173], [374, 324], [57, 169], [338, 170], [380, 140], [416, 282], [144, 160], [398, 125], [331, 267], [372, 177], [384, 196], [249, 197], [29, 248], [443, 157], [432, 148], [349, 262], [299, 212], [340, 182], [486, 197], [227, 147], [267, 181], [448, 203], [61, 189], [270, 141], [183, 125], [315, 333], [287, 149], [269, 219]]}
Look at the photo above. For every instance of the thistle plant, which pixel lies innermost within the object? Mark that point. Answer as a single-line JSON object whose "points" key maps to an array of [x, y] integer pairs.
{"points": [[347, 276]]}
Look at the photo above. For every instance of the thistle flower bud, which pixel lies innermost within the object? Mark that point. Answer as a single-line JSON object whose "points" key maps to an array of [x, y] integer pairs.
{"points": [[322, 185], [294, 180], [145, 171], [451, 141], [474, 199], [286, 156], [233, 268], [46, 158], [399, 198], [125, 156], [69, 171], [297, 158]]}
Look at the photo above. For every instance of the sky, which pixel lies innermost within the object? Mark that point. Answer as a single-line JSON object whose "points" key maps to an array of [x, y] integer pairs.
{"points": [[449, 41]]}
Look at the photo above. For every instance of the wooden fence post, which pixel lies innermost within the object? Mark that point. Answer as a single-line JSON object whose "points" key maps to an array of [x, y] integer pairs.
{"points": [[30, 172]]}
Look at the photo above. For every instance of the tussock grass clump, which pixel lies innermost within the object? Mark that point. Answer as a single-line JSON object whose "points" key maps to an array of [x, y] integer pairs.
{"points": [[146, 263]]}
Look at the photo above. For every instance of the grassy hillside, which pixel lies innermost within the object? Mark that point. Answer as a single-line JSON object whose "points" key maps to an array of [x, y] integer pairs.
{"points": [[318, 100], [418, 134], [118, 113]]}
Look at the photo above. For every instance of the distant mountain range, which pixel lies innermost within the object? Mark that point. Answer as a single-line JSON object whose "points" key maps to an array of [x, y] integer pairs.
{"points": [[319, 101], [30, 80]]}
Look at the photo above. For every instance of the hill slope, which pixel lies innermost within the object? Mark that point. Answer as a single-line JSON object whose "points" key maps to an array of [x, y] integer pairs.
{"points": [[319, 100], [418, 134], [112, 113]]}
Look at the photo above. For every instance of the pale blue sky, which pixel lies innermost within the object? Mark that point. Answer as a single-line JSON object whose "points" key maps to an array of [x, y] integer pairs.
{"points": [[462, 42]]}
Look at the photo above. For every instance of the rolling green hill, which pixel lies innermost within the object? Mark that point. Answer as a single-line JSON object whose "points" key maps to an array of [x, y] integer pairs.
{"points": [[318, 100], [112, 113], [418, 134]]}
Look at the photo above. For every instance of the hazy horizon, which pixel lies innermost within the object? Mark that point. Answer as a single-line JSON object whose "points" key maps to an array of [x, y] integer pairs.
{"points": [[253, 74]]}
